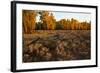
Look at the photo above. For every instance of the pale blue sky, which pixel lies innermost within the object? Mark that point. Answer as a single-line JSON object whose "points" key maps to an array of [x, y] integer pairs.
{"points": [[69, 15]]}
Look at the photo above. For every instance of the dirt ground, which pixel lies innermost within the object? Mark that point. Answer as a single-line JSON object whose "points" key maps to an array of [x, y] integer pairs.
{"points": [[56, 45]]}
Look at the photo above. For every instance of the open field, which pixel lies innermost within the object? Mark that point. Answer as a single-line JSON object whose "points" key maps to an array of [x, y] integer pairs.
{"points": [[56, 45]]}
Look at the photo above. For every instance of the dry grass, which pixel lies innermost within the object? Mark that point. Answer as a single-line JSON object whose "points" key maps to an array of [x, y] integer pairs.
{"points": [[56, 45]]}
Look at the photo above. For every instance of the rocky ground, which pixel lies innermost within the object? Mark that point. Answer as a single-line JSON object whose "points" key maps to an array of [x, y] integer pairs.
{"points": [[58, 45]]}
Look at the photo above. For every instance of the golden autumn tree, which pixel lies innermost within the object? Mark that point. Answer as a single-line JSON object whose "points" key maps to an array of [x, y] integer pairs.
{"points": [[68, 23], [74, 24], [89, 26], [52, 22], [29, 21], [44, 19], [63, 23], [47, 20]]}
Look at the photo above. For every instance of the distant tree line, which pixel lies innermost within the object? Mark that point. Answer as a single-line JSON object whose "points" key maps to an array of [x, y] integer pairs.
{"points": [[47, 21]]}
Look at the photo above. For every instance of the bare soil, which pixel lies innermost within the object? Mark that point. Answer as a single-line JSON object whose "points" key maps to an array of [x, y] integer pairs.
{"points": [[56, 45]]}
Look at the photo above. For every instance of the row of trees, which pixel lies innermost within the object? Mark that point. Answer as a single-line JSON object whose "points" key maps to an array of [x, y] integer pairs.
{"points": [[47, 21]]}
